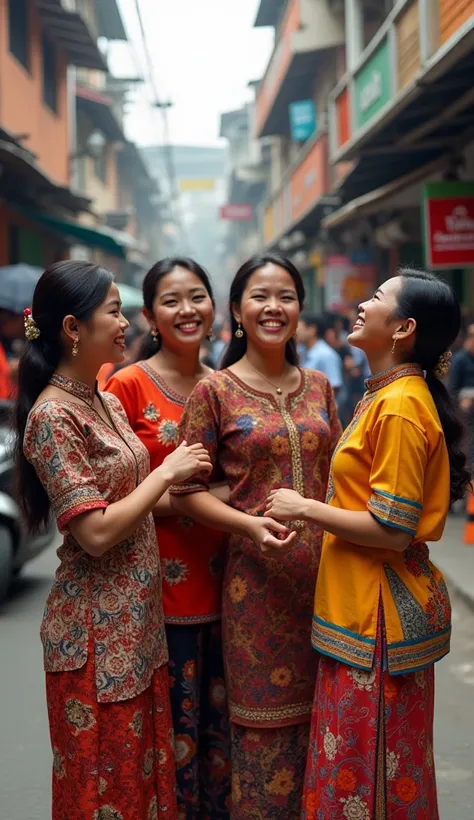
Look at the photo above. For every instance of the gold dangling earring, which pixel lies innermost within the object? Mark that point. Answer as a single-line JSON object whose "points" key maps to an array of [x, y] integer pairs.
{"points": [[155, 335], [75, 347], [394, 346], [239, 332]]}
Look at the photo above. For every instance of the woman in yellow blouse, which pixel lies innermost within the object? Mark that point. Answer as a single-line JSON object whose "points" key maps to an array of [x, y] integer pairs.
{"points": [[382, 613]]}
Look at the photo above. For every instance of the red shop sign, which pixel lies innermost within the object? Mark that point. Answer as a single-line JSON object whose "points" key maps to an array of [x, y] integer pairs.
{"points": [[237, 212], [449, 223]]}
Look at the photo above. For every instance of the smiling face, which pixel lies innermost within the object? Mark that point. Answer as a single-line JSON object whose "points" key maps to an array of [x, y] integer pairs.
{"points": [[182, 309], [377, 325], [102, 337], [269, 310]]}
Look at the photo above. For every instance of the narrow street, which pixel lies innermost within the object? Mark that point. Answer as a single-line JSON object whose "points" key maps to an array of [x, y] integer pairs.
{"points": [[24, 744]]}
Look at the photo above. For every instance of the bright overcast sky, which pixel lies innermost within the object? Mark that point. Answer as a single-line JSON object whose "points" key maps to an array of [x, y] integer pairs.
{"points": [[204, 53]]}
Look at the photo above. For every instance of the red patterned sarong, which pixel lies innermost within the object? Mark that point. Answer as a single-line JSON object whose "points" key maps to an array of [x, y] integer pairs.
{"points": [[111, 761], [371, 747]]}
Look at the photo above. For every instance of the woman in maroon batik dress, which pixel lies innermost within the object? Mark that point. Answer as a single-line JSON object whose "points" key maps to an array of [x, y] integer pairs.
{"points": [[103, 632], [264, 421]]}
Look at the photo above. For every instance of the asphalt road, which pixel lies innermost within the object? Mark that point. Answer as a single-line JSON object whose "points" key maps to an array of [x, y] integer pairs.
{"points": [[24, 742]]}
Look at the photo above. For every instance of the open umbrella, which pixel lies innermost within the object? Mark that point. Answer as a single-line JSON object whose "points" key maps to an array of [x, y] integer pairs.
{"points": [[17, 283]]}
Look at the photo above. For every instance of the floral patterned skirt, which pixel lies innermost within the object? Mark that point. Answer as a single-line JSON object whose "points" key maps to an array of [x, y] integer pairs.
{"points": [[111, 761], [371, 746], [200, 720], [268, 771]]}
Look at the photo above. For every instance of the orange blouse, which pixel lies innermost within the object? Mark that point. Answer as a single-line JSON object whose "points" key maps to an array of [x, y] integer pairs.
{"points": [[191, 554]]}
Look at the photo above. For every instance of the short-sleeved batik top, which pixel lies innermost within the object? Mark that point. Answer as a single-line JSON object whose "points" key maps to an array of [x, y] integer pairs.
{"points": [[111, 606], [260, 446], [392, 460]]}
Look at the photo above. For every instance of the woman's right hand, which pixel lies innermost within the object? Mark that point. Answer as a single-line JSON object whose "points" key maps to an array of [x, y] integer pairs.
{"points": [[270, 536], [184, 462]]}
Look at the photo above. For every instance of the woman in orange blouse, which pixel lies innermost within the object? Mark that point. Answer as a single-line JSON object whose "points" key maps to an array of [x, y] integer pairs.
{"points": [[103, 633], [179, 306], [382, 613]]}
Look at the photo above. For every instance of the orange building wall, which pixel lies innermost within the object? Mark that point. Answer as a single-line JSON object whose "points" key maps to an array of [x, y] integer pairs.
{"points": [[452, 15], [22, 110]]}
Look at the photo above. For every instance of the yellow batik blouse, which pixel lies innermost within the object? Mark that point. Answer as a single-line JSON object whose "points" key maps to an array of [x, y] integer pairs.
{"points": [[392, 460]]}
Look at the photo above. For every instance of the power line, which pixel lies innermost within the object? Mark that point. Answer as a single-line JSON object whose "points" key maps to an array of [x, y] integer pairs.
{"points": [[163, 108]]}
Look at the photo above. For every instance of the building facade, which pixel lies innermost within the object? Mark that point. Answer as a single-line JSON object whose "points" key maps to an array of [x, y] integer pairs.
{"points": [[71, 184], [38, 43], [369, 106]]}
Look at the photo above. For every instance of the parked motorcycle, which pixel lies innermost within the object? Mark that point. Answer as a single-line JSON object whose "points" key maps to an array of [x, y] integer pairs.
{"points": [[17, 547]]}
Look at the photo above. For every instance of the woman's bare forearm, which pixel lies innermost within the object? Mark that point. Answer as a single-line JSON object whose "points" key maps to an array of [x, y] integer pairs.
{"points": [[212, 512], [359, 528], [165, 507]]}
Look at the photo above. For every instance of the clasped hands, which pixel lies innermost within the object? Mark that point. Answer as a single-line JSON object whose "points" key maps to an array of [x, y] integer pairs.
{"points": [[282, 505]]}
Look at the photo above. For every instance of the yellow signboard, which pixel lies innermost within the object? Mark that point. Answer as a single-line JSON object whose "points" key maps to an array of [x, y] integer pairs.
{"points": [[196, 184]]}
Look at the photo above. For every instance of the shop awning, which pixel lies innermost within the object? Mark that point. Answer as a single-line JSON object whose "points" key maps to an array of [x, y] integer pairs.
{"points": [[99, 108], [71, 33], [115, 243], [370, 202], [22, 177]]}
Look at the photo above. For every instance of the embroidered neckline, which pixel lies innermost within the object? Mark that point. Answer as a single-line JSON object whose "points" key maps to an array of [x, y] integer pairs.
{"points": [[269, 396], [159, 382], [75, 388], [388, 376]]}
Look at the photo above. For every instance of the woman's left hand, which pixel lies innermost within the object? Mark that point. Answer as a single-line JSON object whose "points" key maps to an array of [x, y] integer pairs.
{"points": [[285, 505]]}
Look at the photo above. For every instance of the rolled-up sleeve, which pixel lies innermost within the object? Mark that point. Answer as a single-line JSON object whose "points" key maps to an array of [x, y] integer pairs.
{"points": [[55, 444], [400, 451]]}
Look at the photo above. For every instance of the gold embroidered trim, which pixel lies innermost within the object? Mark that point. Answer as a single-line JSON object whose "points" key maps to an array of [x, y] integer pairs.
{"points": [[296, 459], [184, 620], [278, 713], [157, 380], [411, 657]]}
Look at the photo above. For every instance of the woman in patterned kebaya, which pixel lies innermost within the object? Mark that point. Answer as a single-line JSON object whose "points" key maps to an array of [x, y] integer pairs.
{"points": [[264, 422], [103, 631], [382, 612], [179, 307]]}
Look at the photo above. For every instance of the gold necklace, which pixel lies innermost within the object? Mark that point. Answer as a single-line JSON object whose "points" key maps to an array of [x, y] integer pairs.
{"points": [[278, 389]]}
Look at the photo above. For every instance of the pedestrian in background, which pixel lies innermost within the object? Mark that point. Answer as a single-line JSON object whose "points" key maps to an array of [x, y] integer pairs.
{"points": [[461, 375], [320, 355], [382, 611], [356, 370], [218, 345], [103, 632], [265, 423], [179, 306]]}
